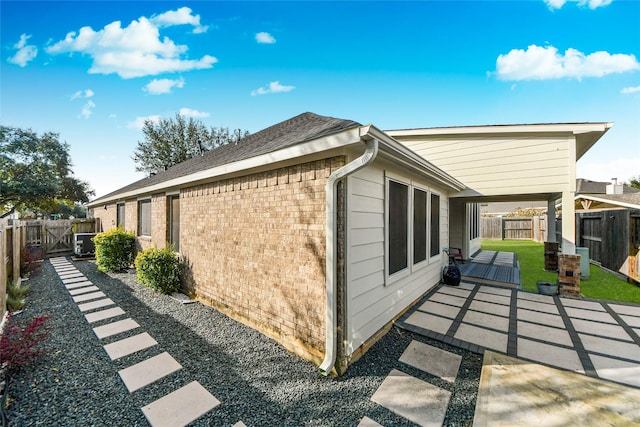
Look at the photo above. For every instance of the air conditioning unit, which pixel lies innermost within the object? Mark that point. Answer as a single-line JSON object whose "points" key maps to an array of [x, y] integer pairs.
{"points": [[83, 245]]}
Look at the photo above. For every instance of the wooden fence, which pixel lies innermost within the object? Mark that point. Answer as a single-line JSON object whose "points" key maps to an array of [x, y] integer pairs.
{"points": [[505, 228], [54, 237]]}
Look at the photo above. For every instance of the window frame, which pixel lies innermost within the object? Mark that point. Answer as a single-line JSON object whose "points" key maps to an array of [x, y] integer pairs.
{"points": [[140, 218], [417, 265], [170, 220], [121, 217], [436, 255], [406, 270]]}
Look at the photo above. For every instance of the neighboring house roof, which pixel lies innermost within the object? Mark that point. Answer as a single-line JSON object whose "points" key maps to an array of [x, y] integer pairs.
{"points": [[585, 186], [592, 202], [301, 128], [303, 135]]}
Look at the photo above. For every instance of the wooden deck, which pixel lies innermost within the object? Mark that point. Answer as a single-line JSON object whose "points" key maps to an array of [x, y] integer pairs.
{"points": [[492, 268]]}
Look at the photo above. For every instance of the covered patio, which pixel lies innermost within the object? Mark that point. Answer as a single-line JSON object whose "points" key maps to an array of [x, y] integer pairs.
{"points": [[492, 268]]}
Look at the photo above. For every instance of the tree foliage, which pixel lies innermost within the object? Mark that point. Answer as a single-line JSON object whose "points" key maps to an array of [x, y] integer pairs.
{"points": [[174, 140], [35, 172], [634, 182]]}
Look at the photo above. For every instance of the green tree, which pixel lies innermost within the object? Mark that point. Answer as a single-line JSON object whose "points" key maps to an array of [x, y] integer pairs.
{"points": [[35, 172], [634, 182], [174, 140]]}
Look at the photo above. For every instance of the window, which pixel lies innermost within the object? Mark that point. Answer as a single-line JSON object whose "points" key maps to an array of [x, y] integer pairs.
{"points": [[474, 221], [435, 225], [174, 222], [144, 218], [398, 226], [120, 215], [419, 225]]}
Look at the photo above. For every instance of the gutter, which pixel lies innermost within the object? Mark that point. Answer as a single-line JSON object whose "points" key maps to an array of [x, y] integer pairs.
{"points": [[332, 253]]}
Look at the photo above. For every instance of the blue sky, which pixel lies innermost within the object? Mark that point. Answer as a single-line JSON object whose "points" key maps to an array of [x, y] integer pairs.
{"points": [[93, 71]]}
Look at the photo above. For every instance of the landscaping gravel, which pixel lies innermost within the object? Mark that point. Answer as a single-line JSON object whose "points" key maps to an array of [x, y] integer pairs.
{"points": [[74, 383]]}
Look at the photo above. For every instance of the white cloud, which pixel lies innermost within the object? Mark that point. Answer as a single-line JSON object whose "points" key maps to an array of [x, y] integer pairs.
{"points": [[273, 87], [192, 113], [631, 89], [138, 123], [136, 50], [265, 38], [25, 53], [592, 4], [180, 17], [162, 86], [87, 93], [87, 109], [542, 63], [623, 168]]}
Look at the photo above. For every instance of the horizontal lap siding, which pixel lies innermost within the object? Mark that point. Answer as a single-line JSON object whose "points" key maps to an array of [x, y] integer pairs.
{"points": [[371, 304], [500, 165]]}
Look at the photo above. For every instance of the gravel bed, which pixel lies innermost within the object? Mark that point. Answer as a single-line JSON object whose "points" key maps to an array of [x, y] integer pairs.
{"points": [[74, 383]]}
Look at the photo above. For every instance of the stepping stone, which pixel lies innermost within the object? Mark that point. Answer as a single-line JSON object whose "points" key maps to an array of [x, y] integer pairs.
{"points": [[95, 304], [129, 345], [74, 280], [68, 269], [433, 360], [239, 424], [87, 297], [78, 285], [181, 407], [412, 398], [141, 374], [71, 276], [84, 290], [368, 422], [103, 314], [115, 328]]}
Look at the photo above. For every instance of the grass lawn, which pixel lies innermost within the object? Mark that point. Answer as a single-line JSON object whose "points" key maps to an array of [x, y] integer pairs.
{"points": [[600, 284]]}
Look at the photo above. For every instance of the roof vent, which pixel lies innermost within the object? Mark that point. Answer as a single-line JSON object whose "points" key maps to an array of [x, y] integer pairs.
{"points": [[614, 187]]}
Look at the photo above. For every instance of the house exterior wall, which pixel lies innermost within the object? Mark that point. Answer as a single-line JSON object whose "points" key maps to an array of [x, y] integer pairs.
{"points": [[373, 300], [256, 250], [499, 165]]}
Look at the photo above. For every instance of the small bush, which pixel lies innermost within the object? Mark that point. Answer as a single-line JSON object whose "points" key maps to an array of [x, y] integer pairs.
{"points": [[15, 296], [159, 269], [19, 345], [30, 260], [115, 249]]}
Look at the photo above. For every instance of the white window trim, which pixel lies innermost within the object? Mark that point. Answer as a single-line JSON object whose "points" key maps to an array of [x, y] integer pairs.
{"points": [[138, 225], [437, 257], [425, 262]]}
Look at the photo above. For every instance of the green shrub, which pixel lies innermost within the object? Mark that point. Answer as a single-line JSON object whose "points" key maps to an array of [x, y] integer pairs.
{"points": [[159, 269], [15, 296], [115, 249]]}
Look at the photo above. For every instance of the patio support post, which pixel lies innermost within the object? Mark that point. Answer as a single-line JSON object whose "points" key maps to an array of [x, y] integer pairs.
{"points": [[551, 221], [568, 223]]}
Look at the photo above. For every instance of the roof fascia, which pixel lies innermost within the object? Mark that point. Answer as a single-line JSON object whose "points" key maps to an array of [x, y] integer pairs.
{"points": [[339, 140], [572, 128], [400, 153]]}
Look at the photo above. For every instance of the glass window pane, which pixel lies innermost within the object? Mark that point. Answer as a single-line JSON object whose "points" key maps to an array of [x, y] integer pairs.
{"points": [[398, 226], [144, 218], [419, 225], [435, 225]]}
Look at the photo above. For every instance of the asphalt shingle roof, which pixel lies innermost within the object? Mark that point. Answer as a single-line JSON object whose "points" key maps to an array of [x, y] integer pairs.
{"points": [[296, 130], [585, 186]]}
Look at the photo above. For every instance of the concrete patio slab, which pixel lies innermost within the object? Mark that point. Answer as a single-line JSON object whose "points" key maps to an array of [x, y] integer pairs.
{"points": [[148, 371], [95, 304], [535, 297], [548, 354], [427, 321], [482, 337], [541, 318], [455, 291], [368, 422], [493, 298], [616, 370], [432, 360], [515, 392], [496, 291], [115, 328], [83, 290], [130, 345], [590, 315], [440, 309], [412, 398], [626, 309], [486, 320], [609, 347], [90, 296], [538, 306], [601, 329], [577, 303], [632, 321], [180, 407], [78, 284], [448, 299], [487, 307], [544, 333], [104, 314]]}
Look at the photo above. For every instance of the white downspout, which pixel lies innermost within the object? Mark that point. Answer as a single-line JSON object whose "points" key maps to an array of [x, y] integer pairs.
{"points": [[331, 250]]}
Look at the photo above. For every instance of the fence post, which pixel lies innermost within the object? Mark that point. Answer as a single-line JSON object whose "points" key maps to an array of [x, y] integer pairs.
{"points": [[3, 268], [16, 252]]}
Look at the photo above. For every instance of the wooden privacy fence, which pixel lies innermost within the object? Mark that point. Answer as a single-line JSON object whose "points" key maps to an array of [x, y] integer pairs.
{"points": [[505, 228]]}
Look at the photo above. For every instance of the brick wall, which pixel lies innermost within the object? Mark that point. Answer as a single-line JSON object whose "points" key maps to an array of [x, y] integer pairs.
{"points": [[107, 216], [256, 249], [569, 275]]}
